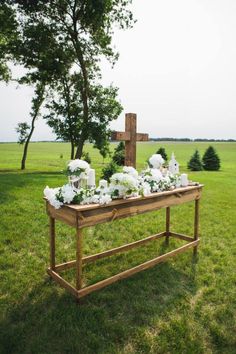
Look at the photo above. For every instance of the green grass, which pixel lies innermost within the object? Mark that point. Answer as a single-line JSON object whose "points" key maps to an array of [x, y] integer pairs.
{"points": [[180, 306]]}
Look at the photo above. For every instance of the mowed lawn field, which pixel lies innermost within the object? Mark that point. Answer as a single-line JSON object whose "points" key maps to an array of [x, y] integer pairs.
{"points": [[181, 306]]}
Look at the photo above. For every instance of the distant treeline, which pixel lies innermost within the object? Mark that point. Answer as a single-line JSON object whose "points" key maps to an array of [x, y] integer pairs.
{"points": [[151, 139], [190, 140]]}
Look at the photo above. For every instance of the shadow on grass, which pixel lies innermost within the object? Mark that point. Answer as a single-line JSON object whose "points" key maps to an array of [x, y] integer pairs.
{"points": [[48, 320], [29, 172], [12, 183]]}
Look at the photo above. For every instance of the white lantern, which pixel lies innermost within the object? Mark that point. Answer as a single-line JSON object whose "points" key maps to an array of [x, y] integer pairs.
{"points": [[173, 166]]}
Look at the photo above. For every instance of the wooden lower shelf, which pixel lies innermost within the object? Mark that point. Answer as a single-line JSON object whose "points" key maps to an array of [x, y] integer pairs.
{"points": [[79, 293]]}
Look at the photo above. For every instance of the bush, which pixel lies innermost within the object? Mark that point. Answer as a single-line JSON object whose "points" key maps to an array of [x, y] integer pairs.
{"points": [[86, 157], [195, 163], [211, 161], [109, 170], [163, 153], [119, 154]]}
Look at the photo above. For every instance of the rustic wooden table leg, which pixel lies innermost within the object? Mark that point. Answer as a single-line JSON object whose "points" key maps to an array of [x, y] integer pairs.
{"points": [[79, 255], [167, 224], [196, 224], [52, 243]]}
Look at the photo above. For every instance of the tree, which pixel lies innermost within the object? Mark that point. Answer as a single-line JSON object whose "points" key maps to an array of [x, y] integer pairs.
{"points": [[211, 160], [109, 170], [8, 39], [24, 129], [75, 33], [15, 47], [119, 154], [65, 112], [163, 153], [195, 163]]}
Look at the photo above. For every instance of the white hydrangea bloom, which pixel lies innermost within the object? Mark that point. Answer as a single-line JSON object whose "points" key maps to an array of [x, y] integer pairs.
{"points": [[68, 193], [123, 185], [105, 199], [76, 165], [156, 174], [156, 161], [131, 171], [95, 199], [50, 194]]}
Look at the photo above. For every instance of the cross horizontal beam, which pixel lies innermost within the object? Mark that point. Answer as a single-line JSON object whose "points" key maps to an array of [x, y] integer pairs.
{"points": [[125, 136]]}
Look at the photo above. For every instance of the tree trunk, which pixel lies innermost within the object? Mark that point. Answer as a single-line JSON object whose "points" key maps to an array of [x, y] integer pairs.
{"points": [[36, 104], [79, 149], [24, 157], [84, 89], [26, 147], [72, 151]]}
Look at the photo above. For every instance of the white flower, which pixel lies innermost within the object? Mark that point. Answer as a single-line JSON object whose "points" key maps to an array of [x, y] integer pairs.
{"points": [[105, 199], [156, 174], [95, 198], [156, 161], [68, 193], [153, 177], [123, 185], [51, 195], [78, 165], [131, 171]]}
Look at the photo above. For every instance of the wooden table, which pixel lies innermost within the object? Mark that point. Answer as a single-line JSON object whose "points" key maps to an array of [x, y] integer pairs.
{"points": [[81, 216]]}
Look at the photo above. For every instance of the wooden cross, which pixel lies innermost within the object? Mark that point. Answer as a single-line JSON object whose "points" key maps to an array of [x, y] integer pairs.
{"points": [[130, 136]]}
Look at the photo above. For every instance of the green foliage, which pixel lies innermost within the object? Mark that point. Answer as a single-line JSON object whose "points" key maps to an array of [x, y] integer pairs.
{"points": [[105, 150], [109, 170], [86, 157], [65, 112], [23, 130], [8, 39], [119, 154], [211, 160], [60, 43], [163, 153], [195, 163]]}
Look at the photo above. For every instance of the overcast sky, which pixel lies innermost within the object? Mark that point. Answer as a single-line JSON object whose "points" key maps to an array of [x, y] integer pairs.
{"points": [[177, 71]]}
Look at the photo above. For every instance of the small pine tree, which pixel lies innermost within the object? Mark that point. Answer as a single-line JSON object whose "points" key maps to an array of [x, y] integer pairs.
{"points": [[211, 161], [163, 153], [119, 154], [109, 170], [195, 163]]}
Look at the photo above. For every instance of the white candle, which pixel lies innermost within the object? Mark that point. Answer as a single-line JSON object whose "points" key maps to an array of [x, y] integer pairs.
{"points": [[184, 180], [91, 178], [102, 183]]}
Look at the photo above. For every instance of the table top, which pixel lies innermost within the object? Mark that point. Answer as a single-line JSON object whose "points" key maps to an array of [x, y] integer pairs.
{"points": [[80, 216], [77, 207]]}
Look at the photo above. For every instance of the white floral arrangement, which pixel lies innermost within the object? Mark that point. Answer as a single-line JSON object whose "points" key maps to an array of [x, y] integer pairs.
{"points": [[78, 168], [156, 161], [68, 194], [130, 171], [156, 181], [125, 184]]}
